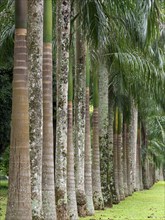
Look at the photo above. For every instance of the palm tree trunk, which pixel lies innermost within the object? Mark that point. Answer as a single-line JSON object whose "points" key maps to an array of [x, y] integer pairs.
{"points": [[103, 133], [19, 193], [129, 162], [62, 71], [35, 51], [133, 142], [110, 170], [116, 195], [120, 156], [48, 187], [138, 160], [96, 178], [80, 89], [88, 161], [71, 190], [125, 159]]}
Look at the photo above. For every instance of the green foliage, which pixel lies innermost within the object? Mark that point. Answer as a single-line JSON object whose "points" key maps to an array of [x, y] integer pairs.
{"points": [[142, 206], [5, 107], [4, 163], [7, 33]]}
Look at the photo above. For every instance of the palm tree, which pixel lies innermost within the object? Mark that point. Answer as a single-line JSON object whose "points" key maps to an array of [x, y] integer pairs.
{"points": [[48, 187], [116, 195], [62, 71], [125, 157], [103, 133], [19, 198], [35, 51], [80, 88], [120, 155], [133, 141], [71, 190], [96, 178], [88, 160]]}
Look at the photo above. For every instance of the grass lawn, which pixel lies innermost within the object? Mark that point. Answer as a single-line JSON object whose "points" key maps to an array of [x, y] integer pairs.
{"points": [[147, 204], [3, 198]]}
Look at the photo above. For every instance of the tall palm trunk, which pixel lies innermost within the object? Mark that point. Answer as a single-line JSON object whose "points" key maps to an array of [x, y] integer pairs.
{"points": [[88, 161], [19, 193], [133, 142], [80, 89], [71, 190], [138, 160], [125, 159], [129, 161], [35, 51], [110, 170], [62, 71], [48, 187], [120, 156], [103, 133], [96, 178], [116, 195]]}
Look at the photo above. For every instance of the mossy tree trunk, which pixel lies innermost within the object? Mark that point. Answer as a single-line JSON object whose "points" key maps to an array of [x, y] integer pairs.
{"points": [[88, 159], [19, 193], [80, 90], [110, 166], [48, 187], [62, 71], [71, 190], [116, 195], [96, 177], [103, 134], [35, 51]]}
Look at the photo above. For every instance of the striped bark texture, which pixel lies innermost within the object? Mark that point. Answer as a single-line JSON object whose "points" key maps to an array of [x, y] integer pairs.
{"points": [[72, 203], [19, 196], [48, 187], [35, 51], [96, 178], [88, 160], [62, 70], [80, 89]]}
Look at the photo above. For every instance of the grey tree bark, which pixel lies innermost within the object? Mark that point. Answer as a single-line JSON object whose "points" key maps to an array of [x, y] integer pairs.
{"points": [[120, 155], [103, 134], [125, 159], [80, 92], [35, 51], [133, 142], [110, 174], [62, 70]]}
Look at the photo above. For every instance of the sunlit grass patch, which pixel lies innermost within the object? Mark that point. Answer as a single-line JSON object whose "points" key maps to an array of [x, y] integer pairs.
{"points": [[3, 198], [147, 204]]}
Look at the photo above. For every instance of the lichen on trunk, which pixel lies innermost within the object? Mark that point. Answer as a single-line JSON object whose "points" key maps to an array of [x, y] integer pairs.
{"points": [[35, 51], [62, 70]]}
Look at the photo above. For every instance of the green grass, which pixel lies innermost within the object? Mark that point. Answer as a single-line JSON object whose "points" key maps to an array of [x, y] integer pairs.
{"points": [[3, 198], [147, 204], [143, 205]]}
